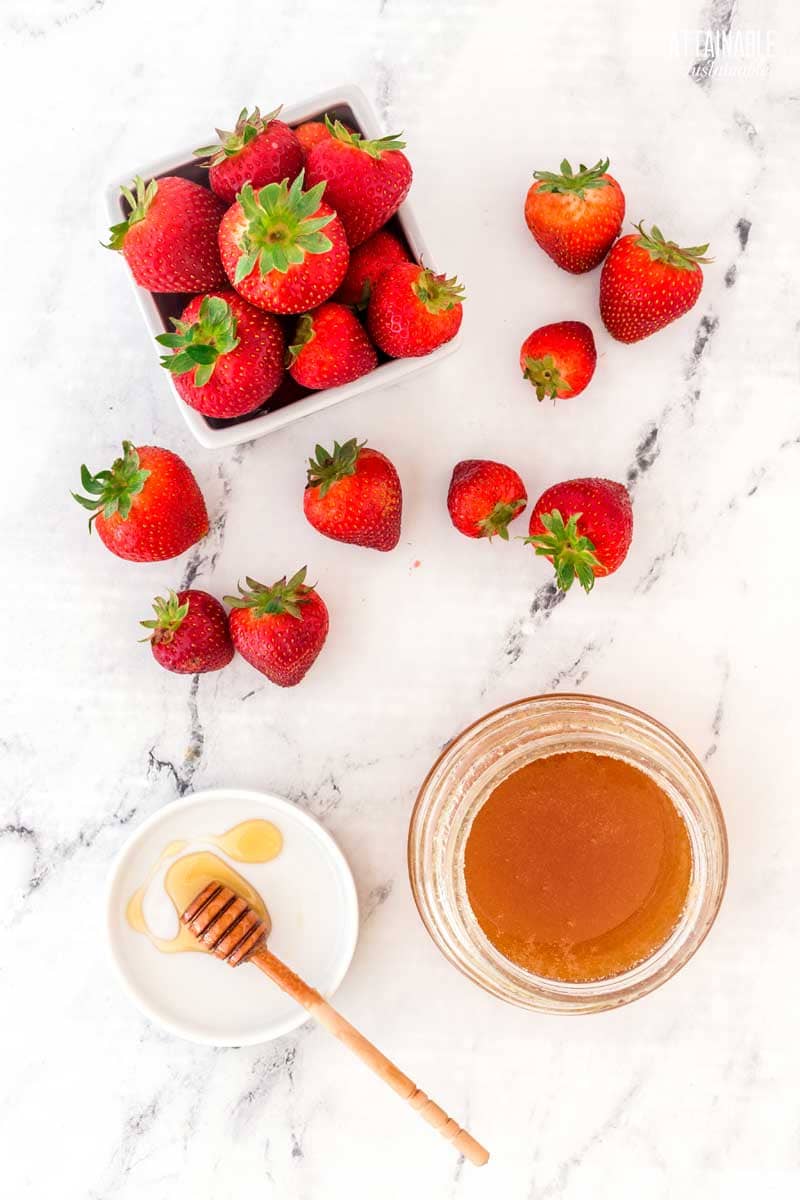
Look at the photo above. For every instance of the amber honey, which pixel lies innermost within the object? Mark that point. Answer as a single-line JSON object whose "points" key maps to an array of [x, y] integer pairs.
{"points": [[255, 841], [578, 867]]}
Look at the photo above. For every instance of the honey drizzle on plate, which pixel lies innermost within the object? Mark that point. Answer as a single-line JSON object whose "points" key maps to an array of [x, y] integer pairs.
{"points": [[254, 841]]}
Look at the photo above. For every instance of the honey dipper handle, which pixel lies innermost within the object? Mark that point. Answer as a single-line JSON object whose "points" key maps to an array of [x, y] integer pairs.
{"points": [[370, 1055]]}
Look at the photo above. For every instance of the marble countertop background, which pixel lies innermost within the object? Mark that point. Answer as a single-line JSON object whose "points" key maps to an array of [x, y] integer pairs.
{"points": [[691, 1093]]}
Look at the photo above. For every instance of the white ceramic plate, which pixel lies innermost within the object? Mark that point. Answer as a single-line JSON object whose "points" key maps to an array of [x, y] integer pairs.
{"points": [[246, 428], [309, 892]]}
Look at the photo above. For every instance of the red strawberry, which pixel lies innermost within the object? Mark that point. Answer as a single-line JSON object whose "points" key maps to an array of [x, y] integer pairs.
{"points": [[354, 495], [147, 507], [584, 527], [559, 359], [647, 282], [311, 132], [227, 356], [368, 262], [412, 311], [169, 237], [330, 348], [190, 633], [279, 630], [367, 180], [575, 218], [258, 151], [275, 252], [484, 497]]}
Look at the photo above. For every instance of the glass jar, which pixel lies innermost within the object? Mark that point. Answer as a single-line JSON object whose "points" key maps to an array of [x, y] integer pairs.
{"points": [[502, 742]]}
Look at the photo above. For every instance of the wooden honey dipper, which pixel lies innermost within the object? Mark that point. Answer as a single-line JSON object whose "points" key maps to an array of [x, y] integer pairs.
{"points": [[229, 928]]}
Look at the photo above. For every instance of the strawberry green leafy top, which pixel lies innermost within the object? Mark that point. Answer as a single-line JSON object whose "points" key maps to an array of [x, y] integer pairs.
{"points": [[572, 554], [577, 182], [499, 518], [201, 343], [281, 227], [139, 196], [112, 491], [170, 615], [327, 469], [374, 147], [303, 334], [282, 597], [660, 250], [436, 292], [545, 377], [248, 126]]}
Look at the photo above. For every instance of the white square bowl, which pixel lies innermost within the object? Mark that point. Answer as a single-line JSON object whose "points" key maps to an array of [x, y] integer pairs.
{"points": [[351, 105]]}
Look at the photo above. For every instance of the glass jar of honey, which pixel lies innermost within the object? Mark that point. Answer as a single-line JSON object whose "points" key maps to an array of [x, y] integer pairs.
{"points": [[567, 853]]}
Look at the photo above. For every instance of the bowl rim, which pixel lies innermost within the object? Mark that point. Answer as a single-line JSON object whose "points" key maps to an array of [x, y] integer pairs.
{"points": [[350, 913], [616, 706]]}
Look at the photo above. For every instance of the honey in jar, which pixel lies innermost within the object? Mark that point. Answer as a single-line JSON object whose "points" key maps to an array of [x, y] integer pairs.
{"points": [[577, 867]]}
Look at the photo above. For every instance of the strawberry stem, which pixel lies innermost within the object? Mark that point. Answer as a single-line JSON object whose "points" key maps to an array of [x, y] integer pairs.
{"points": [[571, 554], [112, 491], [281, 227], [576, 182], [281, 597], [138, 197], [545, 377], [374, 147], [327, 469], [303, 334], [660, 250], [499, 519], [231, 142], [170, 614], [436, 292], [201, 343]]}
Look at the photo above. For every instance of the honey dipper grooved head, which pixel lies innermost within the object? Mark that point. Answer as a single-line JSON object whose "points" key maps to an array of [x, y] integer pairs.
{"points": [[225, 923]]}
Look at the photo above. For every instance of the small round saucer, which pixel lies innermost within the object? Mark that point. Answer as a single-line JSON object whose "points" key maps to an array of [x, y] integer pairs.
{"points": [[311, 898]]}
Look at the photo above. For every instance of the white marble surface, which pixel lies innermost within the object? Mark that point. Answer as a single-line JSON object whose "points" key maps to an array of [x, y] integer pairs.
{"points": [[690, 1093]]}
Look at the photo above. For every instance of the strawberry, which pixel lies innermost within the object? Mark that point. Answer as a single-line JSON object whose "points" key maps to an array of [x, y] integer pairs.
{"points": [[279, 630], [484, 497], [147, 507], [367, 180], [227, 356], [412, 311], [330, 348], [368, 262], [169, 237], [190, 633], [559, 359], [575, 217], [258, 151], [354, 495], [584, 528], [647, 282], [311, 132], [274, 250]]}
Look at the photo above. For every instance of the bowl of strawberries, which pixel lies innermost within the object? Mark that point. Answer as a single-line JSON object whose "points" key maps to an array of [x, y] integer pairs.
{"points": [[280, 269]]}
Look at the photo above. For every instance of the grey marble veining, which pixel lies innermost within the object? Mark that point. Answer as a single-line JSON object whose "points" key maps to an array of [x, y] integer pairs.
{"points": [[691, 1093]]}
